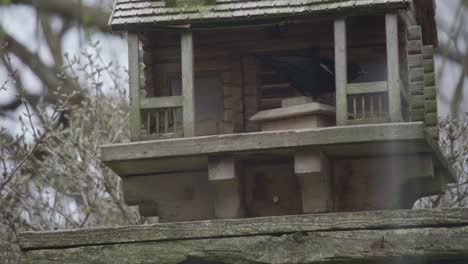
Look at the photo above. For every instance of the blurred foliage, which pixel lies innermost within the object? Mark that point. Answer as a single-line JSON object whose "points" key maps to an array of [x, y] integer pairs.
{"points": [[52, 177]]}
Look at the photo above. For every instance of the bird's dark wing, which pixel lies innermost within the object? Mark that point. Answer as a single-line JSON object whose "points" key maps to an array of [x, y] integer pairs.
{"points": [[303, 73]]}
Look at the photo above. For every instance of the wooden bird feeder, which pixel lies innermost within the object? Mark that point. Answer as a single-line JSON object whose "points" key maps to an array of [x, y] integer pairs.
{"points": [[217, 134]]}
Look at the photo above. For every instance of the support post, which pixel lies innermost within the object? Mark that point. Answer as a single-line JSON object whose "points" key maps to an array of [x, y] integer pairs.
{"points": [[341, 77], [188, 83], [393, 68], [312, 169], [134, 85], [223, 174]]}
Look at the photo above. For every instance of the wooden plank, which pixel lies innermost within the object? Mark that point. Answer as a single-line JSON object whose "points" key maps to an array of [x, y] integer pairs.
{"points": [[341, 77], [393, 66], [429, 79], [161, 102], [431, 119], [416, 87], [416, 75], [370, 120], [415, 61], [293, 111], [415, 245], [428, 52], [417, 114], [414, 47], [245, 227], [417, 101], [430, 92], [261, 141], [313, 170], [430, 106], [414, 33], [223, 174], [428, 65], [134, 85], [188, 86], [363, 88]]}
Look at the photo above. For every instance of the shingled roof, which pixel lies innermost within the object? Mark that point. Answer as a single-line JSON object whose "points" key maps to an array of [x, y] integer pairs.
{"points": [[138, 14]]}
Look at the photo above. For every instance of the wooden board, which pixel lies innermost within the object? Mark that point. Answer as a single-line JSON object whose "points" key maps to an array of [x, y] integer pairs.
{"points": [[244, 227], [261, 141]]}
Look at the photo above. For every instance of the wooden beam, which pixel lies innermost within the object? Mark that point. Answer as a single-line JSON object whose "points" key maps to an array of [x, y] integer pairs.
{"points": [[406, 246], [161, 102], [188, 86], [394, 94], [223, 174], [134, 83], [245, 227], [341, 77], [274, 140], [313, 170], [363, 88]]}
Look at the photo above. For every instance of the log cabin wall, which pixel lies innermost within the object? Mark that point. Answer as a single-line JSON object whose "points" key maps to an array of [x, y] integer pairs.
{"points": [[247, 85]]}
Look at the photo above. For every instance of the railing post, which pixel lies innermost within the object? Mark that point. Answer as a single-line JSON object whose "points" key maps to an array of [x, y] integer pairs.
{"points": [[393, 68], [341, 72], [188, 84], [134, 85]]}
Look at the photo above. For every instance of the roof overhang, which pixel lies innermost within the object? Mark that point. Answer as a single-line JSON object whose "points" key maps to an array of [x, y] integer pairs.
{"points": [[153, 14]]}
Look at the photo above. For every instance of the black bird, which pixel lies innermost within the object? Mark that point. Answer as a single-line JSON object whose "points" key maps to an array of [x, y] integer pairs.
{"points": [[311, 76]]}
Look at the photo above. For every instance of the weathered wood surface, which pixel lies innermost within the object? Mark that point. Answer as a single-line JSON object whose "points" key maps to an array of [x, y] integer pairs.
{"points": [[365, 237], [134, 83], [161, 102], [245, 227], [262, 141], [293, 111], [188, 86], [393, 66], [363, 88], [341, 77], [147, 13]]}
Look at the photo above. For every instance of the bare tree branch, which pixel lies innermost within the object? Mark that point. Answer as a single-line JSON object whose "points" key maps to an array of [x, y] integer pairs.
{"points": [[71, 10]]}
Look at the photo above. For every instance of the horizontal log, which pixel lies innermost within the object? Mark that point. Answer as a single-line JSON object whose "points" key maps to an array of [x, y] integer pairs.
{"points": [[431, 119], [430, 92], [428, 52], [161, 102], [429, 79], [414, 33], [208, 145], [417, 114], [428, 65], [416, 74], [364, 88], [411, 245], [414, 47], [416, 87], [417, 101], [245, 227], [431, 106], [415, 61]]}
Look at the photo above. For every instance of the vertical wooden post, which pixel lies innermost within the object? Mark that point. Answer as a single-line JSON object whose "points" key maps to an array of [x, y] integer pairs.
{"points": [[134, 83], [223, 174], [188, 83], [312, 169], [393, 68], [341, 76]]}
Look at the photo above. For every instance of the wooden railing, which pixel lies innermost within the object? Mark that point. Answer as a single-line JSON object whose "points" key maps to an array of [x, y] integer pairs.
{"points": [[367, 102], [161, 117]]}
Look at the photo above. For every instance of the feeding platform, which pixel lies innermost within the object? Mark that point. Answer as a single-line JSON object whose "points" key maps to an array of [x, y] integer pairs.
{"points": [[379, 166]]}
